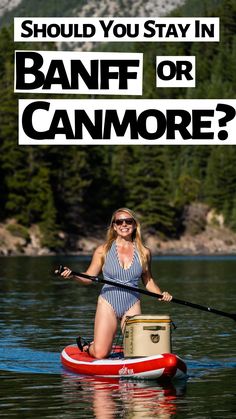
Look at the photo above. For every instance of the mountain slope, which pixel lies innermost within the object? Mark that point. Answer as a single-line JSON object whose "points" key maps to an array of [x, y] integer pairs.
{"points": [[11, 8]]}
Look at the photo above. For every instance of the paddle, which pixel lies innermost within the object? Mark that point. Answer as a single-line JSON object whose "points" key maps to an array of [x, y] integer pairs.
{"points": [[60, 269]]}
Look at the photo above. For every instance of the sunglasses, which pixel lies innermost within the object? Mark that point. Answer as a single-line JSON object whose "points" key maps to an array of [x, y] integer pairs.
{"points": [[127, 221]]}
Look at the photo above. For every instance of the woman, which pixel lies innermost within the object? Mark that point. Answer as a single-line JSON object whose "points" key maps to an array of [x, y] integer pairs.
{"points": [[122, 258]]}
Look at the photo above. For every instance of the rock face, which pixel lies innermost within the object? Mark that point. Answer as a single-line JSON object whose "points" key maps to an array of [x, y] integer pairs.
{"points": [[128, 8], [204, 233], [111, 7], [17, 240], [213, 239], [7, 5], [9, 243], [195, 218]]}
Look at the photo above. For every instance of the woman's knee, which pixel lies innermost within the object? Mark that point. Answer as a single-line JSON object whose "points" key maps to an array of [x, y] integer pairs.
{"points": [[100, 352]]}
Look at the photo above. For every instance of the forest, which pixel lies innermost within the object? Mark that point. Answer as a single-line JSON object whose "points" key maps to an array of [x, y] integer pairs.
{"points": [[75, 188]]}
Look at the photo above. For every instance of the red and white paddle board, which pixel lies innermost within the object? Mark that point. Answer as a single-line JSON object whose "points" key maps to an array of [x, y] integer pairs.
{"points": [[161, 366]]}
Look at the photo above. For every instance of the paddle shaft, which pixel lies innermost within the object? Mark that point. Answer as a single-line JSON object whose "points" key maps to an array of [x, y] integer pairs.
{"points": [[151, 294]]}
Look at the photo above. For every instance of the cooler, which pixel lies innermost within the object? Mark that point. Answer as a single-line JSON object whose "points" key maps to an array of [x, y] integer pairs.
{"points": [[147, 335]]}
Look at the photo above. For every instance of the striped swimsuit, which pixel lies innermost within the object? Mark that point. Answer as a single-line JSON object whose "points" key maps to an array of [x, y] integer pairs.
{"points": [[120, 299]]}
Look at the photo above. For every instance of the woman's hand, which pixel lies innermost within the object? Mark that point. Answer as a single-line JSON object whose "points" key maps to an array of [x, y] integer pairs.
{"points": [[65, 272], [166, 296]]}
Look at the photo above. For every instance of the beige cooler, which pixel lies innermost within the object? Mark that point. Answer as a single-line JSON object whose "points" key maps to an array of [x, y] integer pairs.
{"points": [[147, 335]]}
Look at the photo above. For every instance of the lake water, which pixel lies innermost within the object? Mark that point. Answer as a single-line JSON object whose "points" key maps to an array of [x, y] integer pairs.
{"points": [[40, 315]]}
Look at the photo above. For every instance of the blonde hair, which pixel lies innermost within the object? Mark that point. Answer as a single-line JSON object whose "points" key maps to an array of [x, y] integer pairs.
{"points": [[136, 236]]}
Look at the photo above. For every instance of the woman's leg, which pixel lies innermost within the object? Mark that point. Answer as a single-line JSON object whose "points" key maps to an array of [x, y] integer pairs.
{"points": [[133, 311], [105, 327]]}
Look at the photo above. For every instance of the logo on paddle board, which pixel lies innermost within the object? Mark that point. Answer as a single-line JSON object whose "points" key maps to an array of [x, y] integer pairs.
{"points": [[126, 371]]}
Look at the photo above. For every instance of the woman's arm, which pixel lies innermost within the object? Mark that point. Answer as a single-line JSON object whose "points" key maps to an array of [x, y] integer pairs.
{"points": [[94, 268], [149, 282]]}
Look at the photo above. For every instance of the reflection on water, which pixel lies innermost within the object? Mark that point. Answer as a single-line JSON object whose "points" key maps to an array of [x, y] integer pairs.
{"points": [[40, 315], [134, 399]]}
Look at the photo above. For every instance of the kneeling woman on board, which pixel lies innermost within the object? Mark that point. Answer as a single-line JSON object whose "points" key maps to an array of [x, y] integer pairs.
{"points": [[122, 258]]}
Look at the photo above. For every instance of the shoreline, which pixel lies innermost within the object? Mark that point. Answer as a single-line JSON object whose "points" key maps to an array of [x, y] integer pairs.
{"points": [[154, 256], [213, 241]]}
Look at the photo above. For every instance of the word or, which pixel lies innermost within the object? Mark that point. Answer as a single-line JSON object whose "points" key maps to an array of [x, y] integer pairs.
{"points": [[175, 71]]}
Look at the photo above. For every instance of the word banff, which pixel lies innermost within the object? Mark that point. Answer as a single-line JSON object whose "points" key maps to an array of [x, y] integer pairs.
{"points": [[78, 72]]}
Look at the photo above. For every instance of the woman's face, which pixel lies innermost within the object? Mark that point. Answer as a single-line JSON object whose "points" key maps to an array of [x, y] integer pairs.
{"points": [[124, 224]]}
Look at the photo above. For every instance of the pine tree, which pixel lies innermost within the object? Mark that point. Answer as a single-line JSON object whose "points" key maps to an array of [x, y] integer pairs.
{"points": [[12, 158], [70, 178], [221, 179], [122, 163], [149, 188], [99, 195], [232, 220], [192, 165]]}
